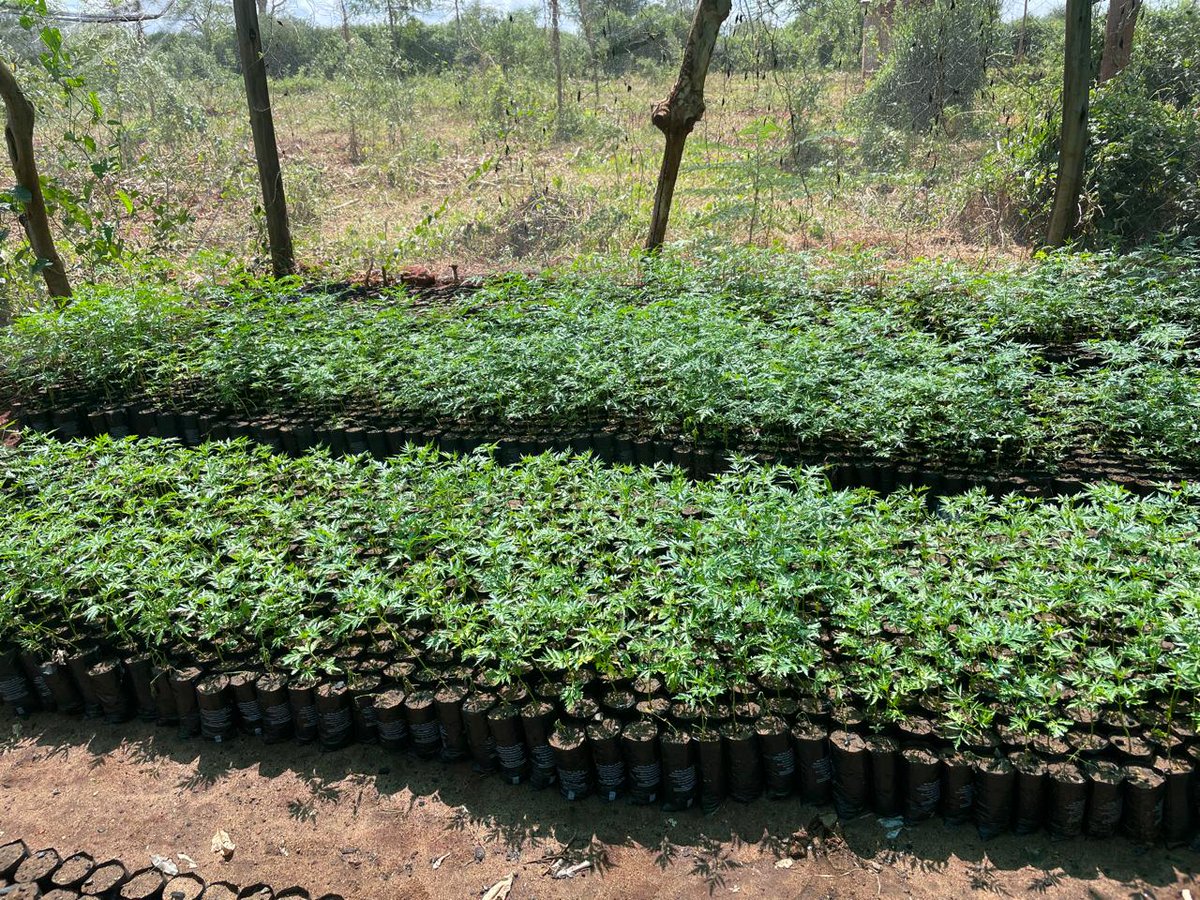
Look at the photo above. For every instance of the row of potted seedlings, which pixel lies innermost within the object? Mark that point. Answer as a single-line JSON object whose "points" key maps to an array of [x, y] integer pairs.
{"points": [[618, 443], [26, 874], [618, 738]]}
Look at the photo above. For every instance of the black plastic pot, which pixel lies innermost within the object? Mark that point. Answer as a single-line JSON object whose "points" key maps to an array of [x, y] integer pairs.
{"points": [[572, 761], [679, 769], [537, 723], [1105, 800], [302, 698], [745, 765], [185, 886], [15, 689], [108, 684], [885, 775], [851, 774], [37, 867], [778, 756], [958, 787], [256, 892], [479, 737], [449, 700], [922, 771], [335, 720], [139, 673], [1029, 808], [32, 667], [79, 664], [604, 744], [183, 687], [105, 879], [390, 723], [12, 855], [67, 699], [813, 762], [639, 743], [1067, 799], [271, 691], [243, 685], [1179, 775], [363, 692], [216, 709], [420, 709], [72, 871], [995, 790], [504, 726], [1145, 791]]}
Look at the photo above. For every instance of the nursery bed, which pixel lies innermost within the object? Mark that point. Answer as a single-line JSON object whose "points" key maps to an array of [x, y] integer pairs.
{"points": [[624, 632]]}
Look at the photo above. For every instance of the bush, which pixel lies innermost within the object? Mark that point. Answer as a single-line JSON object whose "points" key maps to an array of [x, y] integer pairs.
{"points": [[939, 59], [1143, 163]]}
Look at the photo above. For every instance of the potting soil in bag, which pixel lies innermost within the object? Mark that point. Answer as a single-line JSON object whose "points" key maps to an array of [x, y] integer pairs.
{"points": [[140, 673], [603, 740], [1105, 801], [1067, 799], [504, 725], [1177, 799], [537, 722], [421, 711], [958, 787], [813, 762], [572, 761], [639, 744], [448, 701], [680, 777], [183, 687], [272, 693], [335, 719], [745, 765], [1145, 791], [245, 700], [390, 721], [995, 790], [922, 783], [851, 774], [1030, 805], [711, 749], [302, 697], [108, 684], [363, 692], [778, 756], [14, 688], [885, 775], [216, 709], [479, 737]]}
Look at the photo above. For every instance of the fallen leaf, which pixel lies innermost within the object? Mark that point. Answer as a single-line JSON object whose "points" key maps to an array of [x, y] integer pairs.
{"points": [[221, 843], [500, 889], [785, 863], [165, 865], [187, 859], [437, 863], [572, 871]]}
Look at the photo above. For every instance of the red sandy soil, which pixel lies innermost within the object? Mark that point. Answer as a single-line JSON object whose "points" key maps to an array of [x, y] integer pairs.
{"points": [[370, 826]]}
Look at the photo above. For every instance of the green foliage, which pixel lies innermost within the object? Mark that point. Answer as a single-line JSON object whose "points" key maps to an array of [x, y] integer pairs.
{"points": [[557, 565], [939, 60], [930, 367]]}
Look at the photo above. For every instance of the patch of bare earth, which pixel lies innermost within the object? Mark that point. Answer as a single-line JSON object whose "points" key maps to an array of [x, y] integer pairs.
{"points": [[370, 825]]}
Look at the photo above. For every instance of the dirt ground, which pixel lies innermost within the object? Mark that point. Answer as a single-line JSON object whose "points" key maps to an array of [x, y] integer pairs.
{"points": [[369, 826]]}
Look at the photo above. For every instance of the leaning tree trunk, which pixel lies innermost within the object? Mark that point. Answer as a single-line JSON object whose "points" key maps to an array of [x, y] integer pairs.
{"points": [[18, 135], [556, 50], [1118, 36], [1077, 76], [678, 114], [262, 126]]}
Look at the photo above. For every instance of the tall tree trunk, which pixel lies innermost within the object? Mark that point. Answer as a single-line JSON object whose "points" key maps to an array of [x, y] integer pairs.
{"points": [[1024, 31], [262, 126], [392, 33], [589, 37], [1077, 76], [678, 114], [18, 135], [556, 49], [1118, 36]]}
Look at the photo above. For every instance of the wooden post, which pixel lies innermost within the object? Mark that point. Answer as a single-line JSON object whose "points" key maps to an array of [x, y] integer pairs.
{"points": [[678, 114], [1077, 77], [18, 135], [1118, 36], [262, 126]]}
